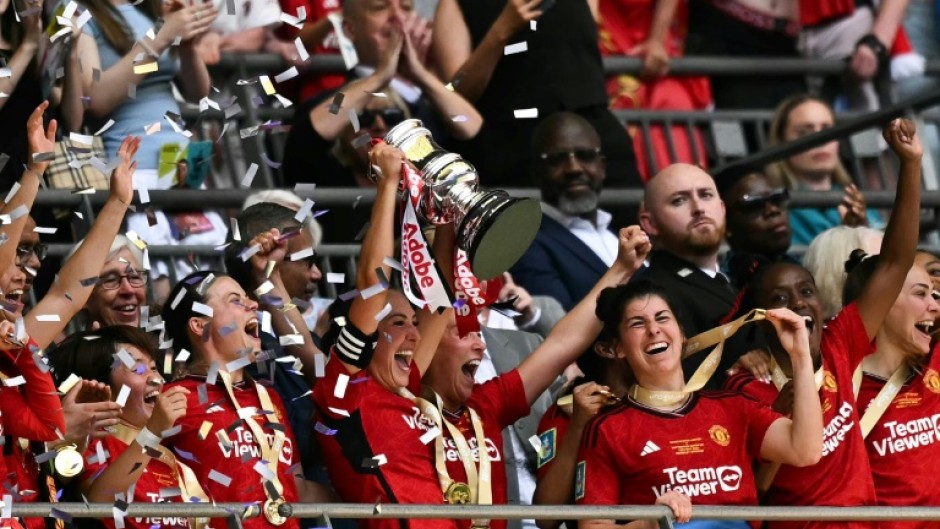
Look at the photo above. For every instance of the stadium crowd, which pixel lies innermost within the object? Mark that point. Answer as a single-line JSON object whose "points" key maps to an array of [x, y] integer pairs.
{"points": [[678, 354]]}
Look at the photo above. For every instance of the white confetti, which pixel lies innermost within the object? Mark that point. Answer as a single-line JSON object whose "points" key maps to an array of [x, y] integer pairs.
{"points": [[125, 392], [518, 47], [335, 277], [341, 382], [526, 113], [202, 308]]}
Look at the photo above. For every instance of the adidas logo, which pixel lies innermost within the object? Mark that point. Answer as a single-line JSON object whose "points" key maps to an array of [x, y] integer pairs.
{"points": [[649, 448], [215, 408]]}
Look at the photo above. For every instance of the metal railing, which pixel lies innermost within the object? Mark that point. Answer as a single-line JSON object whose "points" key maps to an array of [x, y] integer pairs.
{"points": [[506, 512]]}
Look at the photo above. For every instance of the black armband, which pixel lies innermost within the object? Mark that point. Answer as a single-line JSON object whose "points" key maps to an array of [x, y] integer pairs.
{"points": [[872, 42], [354, 346]]}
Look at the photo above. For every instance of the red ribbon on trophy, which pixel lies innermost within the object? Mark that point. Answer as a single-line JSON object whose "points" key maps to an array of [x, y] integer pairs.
{"points": [[415, 255]]}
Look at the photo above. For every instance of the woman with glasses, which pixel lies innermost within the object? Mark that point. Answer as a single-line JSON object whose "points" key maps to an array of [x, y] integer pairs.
{"points": [[817, 169]]}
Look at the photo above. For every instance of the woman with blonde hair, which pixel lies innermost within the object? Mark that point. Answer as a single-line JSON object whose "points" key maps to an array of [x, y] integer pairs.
{"points": [[825, 259], [818, 169]]}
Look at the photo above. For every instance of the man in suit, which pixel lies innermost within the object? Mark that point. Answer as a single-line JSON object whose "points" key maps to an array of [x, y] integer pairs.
{"points": [[685, 218], [573, 247]]}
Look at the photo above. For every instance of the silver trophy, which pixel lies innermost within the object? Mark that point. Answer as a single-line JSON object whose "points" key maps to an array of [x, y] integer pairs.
{"points": [[494, 228]]}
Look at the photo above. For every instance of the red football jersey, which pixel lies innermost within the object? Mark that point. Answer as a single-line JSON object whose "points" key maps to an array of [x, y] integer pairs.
{"points": [[903, 447], [499, 402], [843, 476], [371, 443], [156, 476], [552, 428], [30, 411], [310, 84], [226, 472], [633, 454]]}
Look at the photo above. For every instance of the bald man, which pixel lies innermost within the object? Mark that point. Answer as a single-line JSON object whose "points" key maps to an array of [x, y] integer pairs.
{"points": [[685, 218]]}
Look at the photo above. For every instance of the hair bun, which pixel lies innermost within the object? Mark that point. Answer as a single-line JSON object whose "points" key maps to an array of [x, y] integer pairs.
{"points": [[606, 308], [855, 259]]}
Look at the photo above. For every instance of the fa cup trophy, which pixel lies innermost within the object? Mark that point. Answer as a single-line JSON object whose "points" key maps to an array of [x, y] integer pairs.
{"points": [[492, 227]]}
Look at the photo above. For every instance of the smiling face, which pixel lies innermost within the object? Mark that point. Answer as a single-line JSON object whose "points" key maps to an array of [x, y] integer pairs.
{"points": [[651, 341], [571, 170], [121, 305], [931, 264], [398, 337], [144, 381], [451, 372], [805, 119], [912, 316], [791, 286], [758, 220], [683, 212], [234, 329]]}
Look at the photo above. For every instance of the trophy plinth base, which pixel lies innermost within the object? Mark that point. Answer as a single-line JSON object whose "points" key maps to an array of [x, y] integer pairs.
{"points": [[502, 229]]}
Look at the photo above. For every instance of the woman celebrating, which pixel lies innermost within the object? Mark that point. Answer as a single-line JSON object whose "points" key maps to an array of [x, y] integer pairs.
{"points": [[673, 446], [371, 435], [838, 348], [471, 416], [131, 456]]}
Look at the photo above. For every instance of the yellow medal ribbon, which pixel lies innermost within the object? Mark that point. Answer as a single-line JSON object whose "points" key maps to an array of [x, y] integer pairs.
{"points": [[879, 405], [716, 336], [269, 451], [185, 477], [479, 487]]}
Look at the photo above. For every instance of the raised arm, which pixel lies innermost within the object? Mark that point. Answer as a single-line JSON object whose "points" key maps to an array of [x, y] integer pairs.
{"points": [[796, 441], [578, 329], [123, 471], [108, 92], [471, 69], [285, 318], [40, 141], [68, 295], [432, 325], [901, 234], [377, 244]]}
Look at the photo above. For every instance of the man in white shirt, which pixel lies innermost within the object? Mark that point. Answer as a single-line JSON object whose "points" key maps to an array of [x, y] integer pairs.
{"points": [[574, 245]]}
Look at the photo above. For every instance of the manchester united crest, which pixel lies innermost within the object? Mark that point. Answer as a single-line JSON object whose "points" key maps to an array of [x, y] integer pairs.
{"points": [[932, 380], [720, 435], [829, 382]]}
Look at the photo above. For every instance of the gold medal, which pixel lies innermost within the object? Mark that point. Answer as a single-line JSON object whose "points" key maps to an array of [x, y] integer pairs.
{"points": [[272, 511], [479, 524], [68, 462], [457, 493]]}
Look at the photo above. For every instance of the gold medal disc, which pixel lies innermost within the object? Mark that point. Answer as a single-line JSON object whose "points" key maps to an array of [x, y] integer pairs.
{"points": [[272, 512], [68, 462], [457, 493]]}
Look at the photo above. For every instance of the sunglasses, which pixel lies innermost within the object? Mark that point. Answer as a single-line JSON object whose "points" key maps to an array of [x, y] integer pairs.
{"points": [[24, 251], [557, 159], [755, 204], [390, 116]]}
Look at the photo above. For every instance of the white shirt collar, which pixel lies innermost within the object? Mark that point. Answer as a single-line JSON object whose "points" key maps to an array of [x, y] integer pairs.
{"points": [[566, 220]]}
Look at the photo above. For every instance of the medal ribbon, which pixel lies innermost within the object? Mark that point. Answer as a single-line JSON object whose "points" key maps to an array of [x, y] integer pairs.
{"points": [[697, 343], [189, 485], [479, 482], [415, 256], [879, 405], [269, 451]]}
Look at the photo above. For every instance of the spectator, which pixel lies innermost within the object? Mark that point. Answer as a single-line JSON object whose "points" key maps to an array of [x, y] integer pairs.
{"points": [[655, 32], [837, 350], [121, 290], [685, 217], [660, 413], [574, 245], [119, 90], [391, 42], [130, 460], [758, 226], [559, 69], [317, 36], [818, 169], [747, 29], [826, 256], [862, 34]]}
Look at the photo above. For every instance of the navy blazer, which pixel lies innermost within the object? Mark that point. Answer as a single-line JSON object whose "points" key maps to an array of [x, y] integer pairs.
{"points": [[558, 264]]}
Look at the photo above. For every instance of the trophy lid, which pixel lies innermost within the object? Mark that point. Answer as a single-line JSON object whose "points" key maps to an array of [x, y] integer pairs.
{"points": [[503, 234]]}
